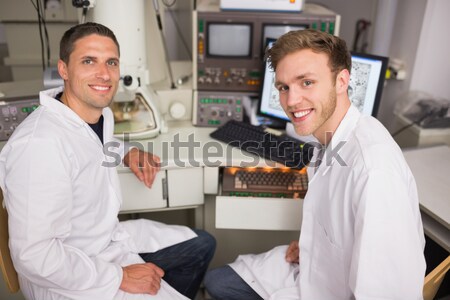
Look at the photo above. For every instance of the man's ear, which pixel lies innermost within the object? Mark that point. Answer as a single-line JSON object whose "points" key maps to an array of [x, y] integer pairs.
{"points": [[62, 70], [342, 81]]}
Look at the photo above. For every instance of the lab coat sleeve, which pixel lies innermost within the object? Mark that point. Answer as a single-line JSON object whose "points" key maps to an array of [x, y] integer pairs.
{"points": [[387, 260], [39, 201]]}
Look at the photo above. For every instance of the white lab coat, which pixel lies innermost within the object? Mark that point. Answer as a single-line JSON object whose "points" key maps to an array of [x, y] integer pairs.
{"points": [[361, 234], [65, 238]]}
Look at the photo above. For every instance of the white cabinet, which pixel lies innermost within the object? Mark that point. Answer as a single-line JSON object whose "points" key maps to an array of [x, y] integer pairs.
{"points": [[137, 197], [258, 213], [171, 188], [185, 187]]}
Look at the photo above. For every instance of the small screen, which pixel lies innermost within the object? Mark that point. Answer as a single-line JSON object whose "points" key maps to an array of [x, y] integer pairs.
{"points": [[270, 98], [232, 40], [272, 32], [365, 86], [367, 81]]}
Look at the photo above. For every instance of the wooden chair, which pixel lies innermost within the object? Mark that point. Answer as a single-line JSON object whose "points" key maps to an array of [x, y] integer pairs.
{"points": [[434, 279], [9, 273]]}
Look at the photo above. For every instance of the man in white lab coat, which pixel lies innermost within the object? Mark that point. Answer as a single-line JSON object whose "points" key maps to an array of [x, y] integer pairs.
{"points": [[65, 238], [361, 235]]}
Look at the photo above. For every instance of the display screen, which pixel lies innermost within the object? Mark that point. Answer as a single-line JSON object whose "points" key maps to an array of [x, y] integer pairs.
{"points": [[269, 104], [365, 86], [272, 32], [367, 81], [233, 40]]}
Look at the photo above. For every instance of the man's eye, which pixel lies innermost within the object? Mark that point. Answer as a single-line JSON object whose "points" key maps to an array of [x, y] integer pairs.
{"points": [[87, 61], [113, 63], [307, 82], [283, 88]]}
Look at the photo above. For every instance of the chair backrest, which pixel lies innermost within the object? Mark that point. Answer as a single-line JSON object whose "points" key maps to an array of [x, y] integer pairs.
{"points": [[9, 273], [434, 279]]}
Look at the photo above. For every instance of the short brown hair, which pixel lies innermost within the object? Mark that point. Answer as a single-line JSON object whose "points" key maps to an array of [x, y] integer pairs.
{"points": [[318, 42], [79, 31]]}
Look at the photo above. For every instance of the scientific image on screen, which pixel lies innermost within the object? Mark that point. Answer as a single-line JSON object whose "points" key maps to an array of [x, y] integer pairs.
{"points": [[366, 82], [269, 104], [357, 88]]}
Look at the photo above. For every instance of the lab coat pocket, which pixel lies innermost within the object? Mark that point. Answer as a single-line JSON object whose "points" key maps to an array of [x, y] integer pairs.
{"points": [[327, 266]]}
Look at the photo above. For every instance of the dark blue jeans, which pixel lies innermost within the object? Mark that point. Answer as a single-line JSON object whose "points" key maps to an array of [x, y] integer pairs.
{"points": [[185, 264], [225, 284]]}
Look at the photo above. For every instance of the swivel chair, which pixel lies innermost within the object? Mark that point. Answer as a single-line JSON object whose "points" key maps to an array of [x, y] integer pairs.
{"points": [[434, 279], [9, 273]]}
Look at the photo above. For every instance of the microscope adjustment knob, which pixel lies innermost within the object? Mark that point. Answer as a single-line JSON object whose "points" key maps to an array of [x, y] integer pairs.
{"points": [[127, 80], [177, 110]]}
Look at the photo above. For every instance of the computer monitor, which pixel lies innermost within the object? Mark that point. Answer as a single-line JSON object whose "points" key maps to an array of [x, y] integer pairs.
{"points": [[365, 87]]}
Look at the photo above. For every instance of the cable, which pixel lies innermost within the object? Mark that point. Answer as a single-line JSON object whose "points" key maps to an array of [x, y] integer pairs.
{"points": [[177, 27], [168, 4], [417, 122], [361, 29], [83, 15], [158, 19], [40, 34], [41, 23], [47, 40]]}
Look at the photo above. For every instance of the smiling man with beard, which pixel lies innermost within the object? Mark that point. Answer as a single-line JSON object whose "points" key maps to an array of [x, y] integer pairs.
{"points": [[361, 235]]}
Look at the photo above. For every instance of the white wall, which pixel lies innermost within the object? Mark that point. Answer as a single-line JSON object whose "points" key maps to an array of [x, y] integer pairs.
{"points": [[420, 39], [431, 72]]}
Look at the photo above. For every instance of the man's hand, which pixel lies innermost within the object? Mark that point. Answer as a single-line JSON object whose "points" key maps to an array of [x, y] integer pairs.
{"points": [[143, 164], [293, 253], [141, 279]]}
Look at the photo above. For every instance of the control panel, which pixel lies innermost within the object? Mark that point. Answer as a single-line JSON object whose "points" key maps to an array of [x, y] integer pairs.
{"points": [[229, 46], [236, 79], [13, 111], [213, 109]]}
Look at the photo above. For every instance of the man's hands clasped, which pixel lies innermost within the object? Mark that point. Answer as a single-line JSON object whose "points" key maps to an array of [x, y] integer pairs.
{"points": [[142, 278]]}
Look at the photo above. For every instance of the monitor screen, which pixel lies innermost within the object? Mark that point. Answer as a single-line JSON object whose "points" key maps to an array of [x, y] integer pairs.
{"points": [[367, 82], [273, 31], [233, 40], [365, 86]]}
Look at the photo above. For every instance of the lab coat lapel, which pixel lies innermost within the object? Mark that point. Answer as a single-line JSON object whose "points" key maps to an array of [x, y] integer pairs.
{"points": [[69, 117]]}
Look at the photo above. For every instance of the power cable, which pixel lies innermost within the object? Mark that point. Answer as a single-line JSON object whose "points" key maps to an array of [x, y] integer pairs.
{"points": [[41, 23]]}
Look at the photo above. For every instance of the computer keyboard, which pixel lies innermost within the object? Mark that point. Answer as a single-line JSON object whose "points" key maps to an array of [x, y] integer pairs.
{"points": [[253, 139]]}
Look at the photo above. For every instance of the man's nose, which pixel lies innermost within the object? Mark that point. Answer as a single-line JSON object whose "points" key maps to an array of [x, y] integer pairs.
{"points": [[103, 72], [294, 97]]}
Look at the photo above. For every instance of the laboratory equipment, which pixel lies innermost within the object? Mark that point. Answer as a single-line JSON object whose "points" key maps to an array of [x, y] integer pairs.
{"points": [[214, 110], [229, 49], [134, 105], [263, 5], [13, 111], [230, 45]]}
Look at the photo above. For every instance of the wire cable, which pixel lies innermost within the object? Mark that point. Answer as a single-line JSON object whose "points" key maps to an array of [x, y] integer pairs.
{"points": [[37, 7], [183, 41], [47, 40], [417, 122], [45, 45]]}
